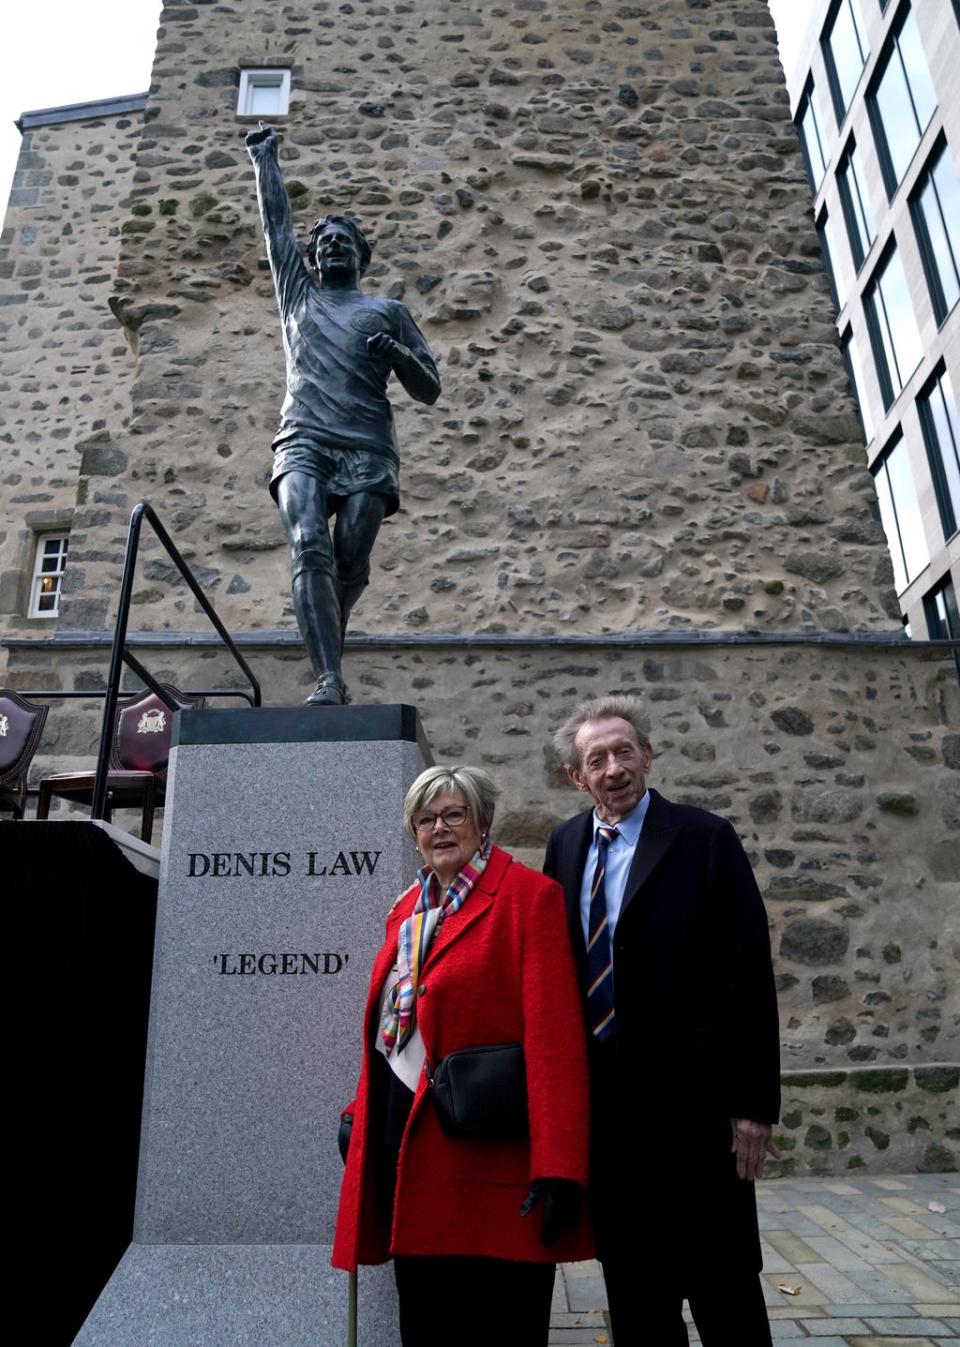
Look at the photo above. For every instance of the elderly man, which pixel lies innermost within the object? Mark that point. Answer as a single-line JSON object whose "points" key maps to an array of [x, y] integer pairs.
{"points": [[674, 958], [335, 450]]}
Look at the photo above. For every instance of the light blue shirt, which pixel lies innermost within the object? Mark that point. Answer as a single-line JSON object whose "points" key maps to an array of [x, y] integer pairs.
{"points": [[619, 858]]}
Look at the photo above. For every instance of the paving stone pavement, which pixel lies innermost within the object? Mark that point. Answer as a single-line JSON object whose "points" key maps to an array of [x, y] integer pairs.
{"points": [[873, 1266]]}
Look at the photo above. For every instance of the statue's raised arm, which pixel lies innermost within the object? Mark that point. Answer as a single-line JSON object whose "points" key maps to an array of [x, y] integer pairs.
{"points": [[335, 450], [286, 264]]}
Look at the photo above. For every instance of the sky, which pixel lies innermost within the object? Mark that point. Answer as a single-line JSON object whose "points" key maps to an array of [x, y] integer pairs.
{"points": [[73, 51], [791, 18], [68, 51]]}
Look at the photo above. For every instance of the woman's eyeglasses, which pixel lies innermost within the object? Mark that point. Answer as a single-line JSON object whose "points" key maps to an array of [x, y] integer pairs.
{"points": [[451, 818]]}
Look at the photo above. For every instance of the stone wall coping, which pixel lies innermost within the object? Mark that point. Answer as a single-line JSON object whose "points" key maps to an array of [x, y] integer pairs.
{"points": [[272, 638], [81, 112], [891, 1076]]}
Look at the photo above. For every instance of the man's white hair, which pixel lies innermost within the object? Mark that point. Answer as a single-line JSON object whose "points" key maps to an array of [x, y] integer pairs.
{"points": [[626, 708]]}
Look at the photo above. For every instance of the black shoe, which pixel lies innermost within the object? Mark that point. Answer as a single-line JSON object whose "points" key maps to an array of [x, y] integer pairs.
{"points": [[330, 691]]}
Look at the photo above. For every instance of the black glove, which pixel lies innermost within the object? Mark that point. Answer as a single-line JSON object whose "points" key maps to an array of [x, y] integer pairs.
{"points": [[343, 1135], [562, 1201]]}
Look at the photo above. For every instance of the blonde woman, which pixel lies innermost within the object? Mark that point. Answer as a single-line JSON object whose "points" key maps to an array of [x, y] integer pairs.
{"points": [[477, 953]]}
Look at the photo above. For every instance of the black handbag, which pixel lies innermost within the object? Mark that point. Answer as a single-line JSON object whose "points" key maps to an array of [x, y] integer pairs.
{"points": [[482, 1092]]}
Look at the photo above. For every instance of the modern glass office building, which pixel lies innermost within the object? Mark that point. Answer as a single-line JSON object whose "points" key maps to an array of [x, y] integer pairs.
{"points": [[875, 88]]}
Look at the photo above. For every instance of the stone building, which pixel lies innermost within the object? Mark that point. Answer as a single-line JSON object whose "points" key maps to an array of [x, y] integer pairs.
{"points": [[645, 472], [877, 107], [65, 366]]}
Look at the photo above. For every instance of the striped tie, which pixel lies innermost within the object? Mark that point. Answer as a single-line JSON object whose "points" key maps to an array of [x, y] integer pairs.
{"points": [[599, 953]]}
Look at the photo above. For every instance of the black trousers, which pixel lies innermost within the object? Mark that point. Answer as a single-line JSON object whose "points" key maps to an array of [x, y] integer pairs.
{"points": [[638, 1224], [728, 1311], [454, 1301], [473, 1302]]}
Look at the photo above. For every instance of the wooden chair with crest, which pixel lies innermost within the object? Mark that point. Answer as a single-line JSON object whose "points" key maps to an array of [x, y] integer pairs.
{"points": [[21, 724], [138, 760]]}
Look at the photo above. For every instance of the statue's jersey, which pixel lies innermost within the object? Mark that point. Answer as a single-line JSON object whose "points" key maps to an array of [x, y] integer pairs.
{"points": [[336, 422]]}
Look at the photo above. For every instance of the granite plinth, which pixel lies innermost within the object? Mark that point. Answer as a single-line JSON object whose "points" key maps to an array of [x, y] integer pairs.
{"points": [[280, 1295], [282, 854]]}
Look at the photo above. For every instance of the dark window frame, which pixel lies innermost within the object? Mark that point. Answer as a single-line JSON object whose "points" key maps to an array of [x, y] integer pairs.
{"points": [[859, 394], [871, 290], [952, 633], [879, 464], [890, 48], [851, 219], [833, 77], [830, 263], [935, 451], [935, 631], [928, 257], [806, 100]]}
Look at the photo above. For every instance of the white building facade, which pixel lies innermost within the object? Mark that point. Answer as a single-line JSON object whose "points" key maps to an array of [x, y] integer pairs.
{"points": [[875, 90]]}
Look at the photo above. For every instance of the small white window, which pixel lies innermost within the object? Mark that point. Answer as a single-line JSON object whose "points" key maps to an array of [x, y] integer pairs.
{"points": [[48, 567], [264, 93]]}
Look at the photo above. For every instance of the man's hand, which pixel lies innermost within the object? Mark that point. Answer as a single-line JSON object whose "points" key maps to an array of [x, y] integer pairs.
{"points": [[752, 1143], [262, 138], [419, 381], [381, 343]]}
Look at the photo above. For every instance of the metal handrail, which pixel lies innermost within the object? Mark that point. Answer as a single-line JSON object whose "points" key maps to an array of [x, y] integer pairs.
{"points": [[52, 695], [120, 654]]}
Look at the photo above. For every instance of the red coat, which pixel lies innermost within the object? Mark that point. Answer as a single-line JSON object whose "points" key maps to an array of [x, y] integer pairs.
{"points": [[500, 970]]}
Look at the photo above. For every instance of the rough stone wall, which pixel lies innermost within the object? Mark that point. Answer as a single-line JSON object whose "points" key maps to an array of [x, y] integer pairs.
{"points": [[840, 769], [895, 1120], [598, 214], [64, 364]]}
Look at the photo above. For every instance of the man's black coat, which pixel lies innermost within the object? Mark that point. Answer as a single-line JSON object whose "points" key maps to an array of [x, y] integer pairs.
{"points": [[697, 1037]]}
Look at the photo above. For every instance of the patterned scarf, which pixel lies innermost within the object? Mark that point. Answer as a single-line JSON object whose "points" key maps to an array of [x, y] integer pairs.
{"points": [[416, 936]]}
